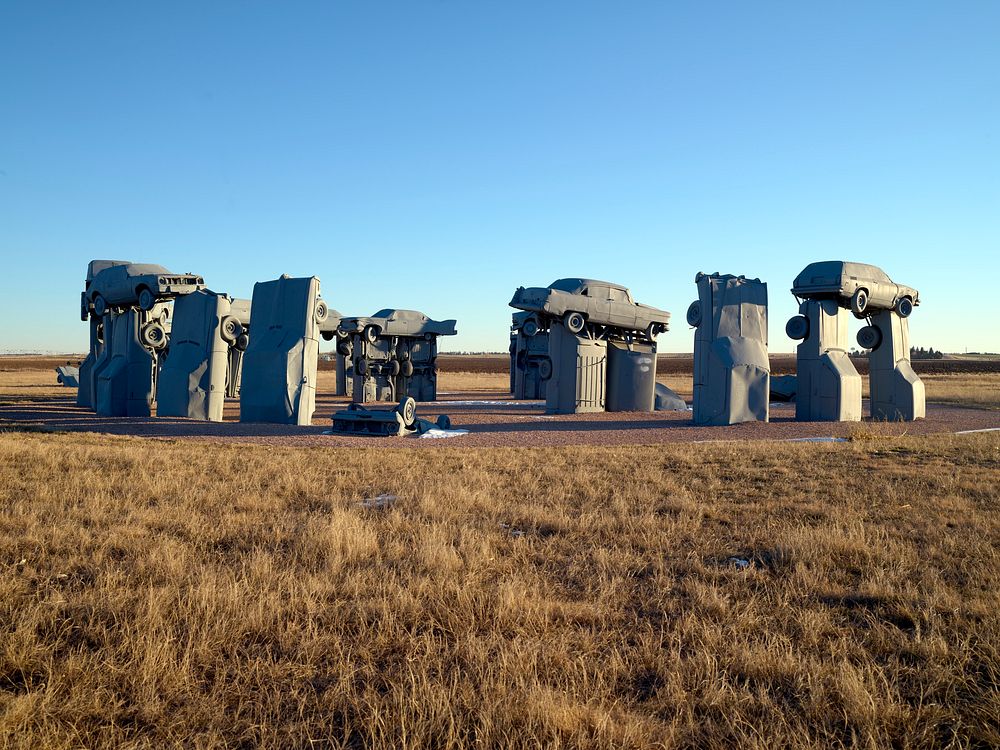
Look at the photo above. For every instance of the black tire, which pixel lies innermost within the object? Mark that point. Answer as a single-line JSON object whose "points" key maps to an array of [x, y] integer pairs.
{"points": [[361, 366], [904, 308], [694, 314], [443, 422], [407, 368], [530, 327], [322, 312], [869, 337], [407, 409], [859, 302], [147, 300], [372, 333], [797, 327], [242, 342], [230, 329], [327, 335], [153, 335], [545, 368], [344, 347], [652, 330], [394, 368], [574, 322], [100, 306]]}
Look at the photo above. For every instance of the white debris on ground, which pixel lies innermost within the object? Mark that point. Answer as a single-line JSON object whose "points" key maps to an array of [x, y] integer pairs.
{"points": [[437, 432], [740, 563], [379, 502], [972, 432], [514, 532]]}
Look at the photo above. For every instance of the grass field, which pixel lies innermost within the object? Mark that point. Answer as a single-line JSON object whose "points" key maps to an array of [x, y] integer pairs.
{"points": [[207, 595]]}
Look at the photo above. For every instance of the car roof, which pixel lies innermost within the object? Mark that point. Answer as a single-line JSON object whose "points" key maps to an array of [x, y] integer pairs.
{"points": [[96, 266], [838, 267], [389, 312], [574, 285]]}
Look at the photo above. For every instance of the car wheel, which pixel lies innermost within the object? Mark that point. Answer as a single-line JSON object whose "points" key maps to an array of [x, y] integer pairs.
{"points": [[545, 369], [153, 335], [407, 368], [230, 329], [242, 342], [344, 347], [361, 367], [394, 368], [327, 335], [530, 328], [322, 311], [869, 337], [694, 314], [443, 422], [859, 302], [652, 330], [100, 306], [797, 327], [904, 308], [371, 334], [574, 322], [407, 409], [146, 299]]}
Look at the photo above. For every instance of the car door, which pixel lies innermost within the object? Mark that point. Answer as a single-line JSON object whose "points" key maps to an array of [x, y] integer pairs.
{"points": [[621, 310], [598, 303]]}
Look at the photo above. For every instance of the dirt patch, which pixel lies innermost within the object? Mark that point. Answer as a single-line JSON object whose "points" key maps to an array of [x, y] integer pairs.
{"points": [[492, 419]]}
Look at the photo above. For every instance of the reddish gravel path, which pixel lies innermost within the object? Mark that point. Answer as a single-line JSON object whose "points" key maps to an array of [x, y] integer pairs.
{"points": [[492, 419]]}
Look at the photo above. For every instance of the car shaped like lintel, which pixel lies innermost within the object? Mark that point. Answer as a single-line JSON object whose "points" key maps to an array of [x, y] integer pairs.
{"points": [[857, 286], [391, 322], [117, 283], [577, 302]]}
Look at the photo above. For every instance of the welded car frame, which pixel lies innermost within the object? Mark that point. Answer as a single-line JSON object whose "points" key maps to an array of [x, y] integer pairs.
{"points": [[578, 302], [116, 283], [859, 287], [391, 322]]}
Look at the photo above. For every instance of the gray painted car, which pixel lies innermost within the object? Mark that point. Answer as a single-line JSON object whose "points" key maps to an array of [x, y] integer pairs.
{"points": [[858, 286], [390, 322], [578, 302], [117, 283]]}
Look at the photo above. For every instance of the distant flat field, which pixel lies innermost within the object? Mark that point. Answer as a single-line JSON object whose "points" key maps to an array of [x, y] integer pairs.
{"points": [[667, 364]]}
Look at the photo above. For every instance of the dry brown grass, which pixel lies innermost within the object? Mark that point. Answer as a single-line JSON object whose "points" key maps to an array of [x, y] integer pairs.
{"points": [[162, 594], [981, 390]]}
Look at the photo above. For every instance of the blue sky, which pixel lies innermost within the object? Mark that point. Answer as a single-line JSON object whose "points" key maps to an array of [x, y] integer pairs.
{"points": [[436, 155]]}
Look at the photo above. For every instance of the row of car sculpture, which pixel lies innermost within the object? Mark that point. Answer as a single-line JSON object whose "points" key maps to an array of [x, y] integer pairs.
{"points": [[163, 339], [586, 346]]}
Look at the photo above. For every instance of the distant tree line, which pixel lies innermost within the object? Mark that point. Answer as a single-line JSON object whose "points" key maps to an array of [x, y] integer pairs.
{"points": [[921, 353]]}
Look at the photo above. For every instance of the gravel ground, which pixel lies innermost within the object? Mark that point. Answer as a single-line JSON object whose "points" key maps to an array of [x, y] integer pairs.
{"points": [[492, 419]]}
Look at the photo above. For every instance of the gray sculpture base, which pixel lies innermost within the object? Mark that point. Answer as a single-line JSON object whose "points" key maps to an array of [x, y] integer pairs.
{"points": [[897, 393], [532, 366], [126, 382], [394, 367], [579, 373], [196, 377], [827, 387], [280, 363], [731, 366], [340, 375], [631, 376], [85, 394]]}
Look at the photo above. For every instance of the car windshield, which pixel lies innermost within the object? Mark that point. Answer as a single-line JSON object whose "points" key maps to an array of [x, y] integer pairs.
{"points": [[572, 286]]}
